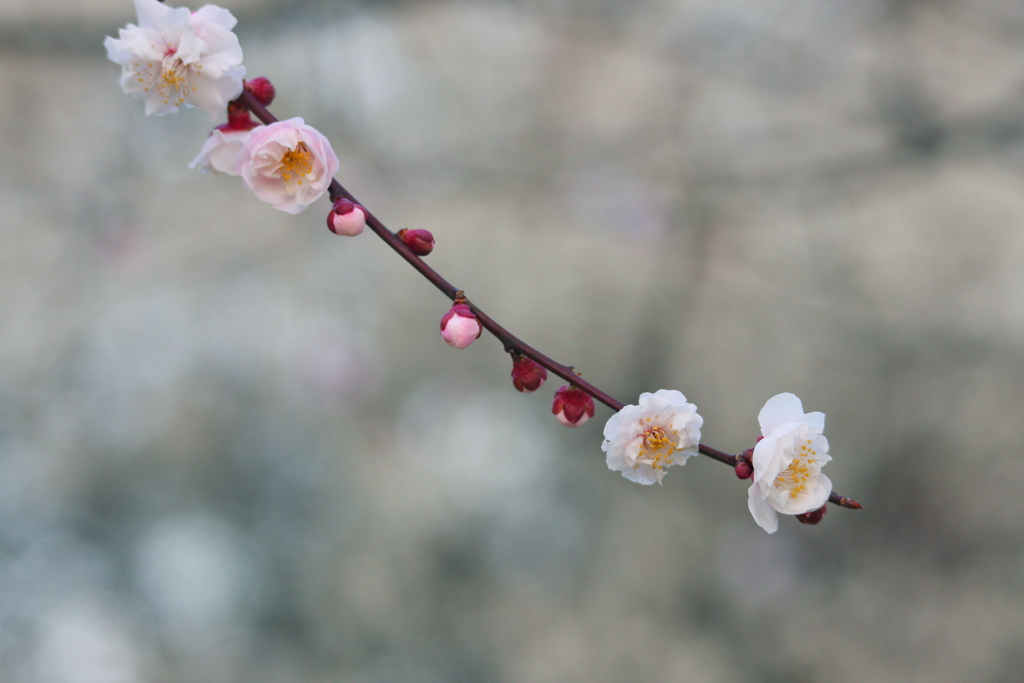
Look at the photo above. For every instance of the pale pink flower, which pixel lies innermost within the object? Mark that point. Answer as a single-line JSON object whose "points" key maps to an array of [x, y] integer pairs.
{"points": [[787, 462], [176, 57], [287, 164]]}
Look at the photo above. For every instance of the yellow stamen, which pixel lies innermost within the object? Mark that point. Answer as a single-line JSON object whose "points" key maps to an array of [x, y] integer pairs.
{"points": [[656, 448], [296, 162]]}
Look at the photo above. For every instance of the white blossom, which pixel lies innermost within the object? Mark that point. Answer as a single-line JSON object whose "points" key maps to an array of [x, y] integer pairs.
{"points": [[287, 164], [176, 57], [787, 462], [643, 440], [220, 150]]}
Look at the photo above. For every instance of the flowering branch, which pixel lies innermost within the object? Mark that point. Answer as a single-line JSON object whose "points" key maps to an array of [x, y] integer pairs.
{"points": [[176, 58], [513, 344]]}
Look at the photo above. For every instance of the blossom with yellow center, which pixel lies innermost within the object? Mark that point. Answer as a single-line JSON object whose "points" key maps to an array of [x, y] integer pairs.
{"points": [[175, 57], [787, 462], [287, 164], [642, 441]]}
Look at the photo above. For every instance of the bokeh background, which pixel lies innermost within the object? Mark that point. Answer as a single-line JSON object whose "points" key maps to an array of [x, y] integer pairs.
{"points": [[233, 447]]}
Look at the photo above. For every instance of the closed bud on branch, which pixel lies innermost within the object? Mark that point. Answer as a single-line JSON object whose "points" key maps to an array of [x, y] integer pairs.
{"points": [[744, 463], [262, 89], [814, 516], [572, 406], [527, 376], [346, 218], [420, 242], [459, 327]]}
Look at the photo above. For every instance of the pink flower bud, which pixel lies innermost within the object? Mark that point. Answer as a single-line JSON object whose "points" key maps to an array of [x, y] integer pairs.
{"points": [[262, 89], [420, 242], [346, 218], [527, 376], [572, 406], [814, 516], [459, 327]]}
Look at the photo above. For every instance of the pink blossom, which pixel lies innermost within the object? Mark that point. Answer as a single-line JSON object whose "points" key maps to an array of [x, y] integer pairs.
{"points": [[287, 164]]}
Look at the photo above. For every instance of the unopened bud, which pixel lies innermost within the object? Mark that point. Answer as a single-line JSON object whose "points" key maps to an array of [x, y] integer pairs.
{"points": [[459, 327], [814, 516], [744, 470], [262, 89], [572, 406], [346, 218], [527, 376], [420, 242]]}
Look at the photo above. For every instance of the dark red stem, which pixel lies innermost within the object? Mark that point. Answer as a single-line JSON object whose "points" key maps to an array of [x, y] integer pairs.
{"points": [[510, 341]]}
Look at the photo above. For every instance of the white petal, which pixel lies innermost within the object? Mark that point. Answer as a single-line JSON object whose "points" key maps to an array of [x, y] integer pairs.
{"points": [[820, 444], [190, 48], [150, 12], [643, 474], [778, 410], [211, 15], [815, 422], [613, 426], [222, 51], [767, 459], [142, 44], [173, 25], [761, 511], [821, 493]]}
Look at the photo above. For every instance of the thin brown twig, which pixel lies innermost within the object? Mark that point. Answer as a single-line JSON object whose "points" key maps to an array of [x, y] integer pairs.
{"points": [[510, 341]]}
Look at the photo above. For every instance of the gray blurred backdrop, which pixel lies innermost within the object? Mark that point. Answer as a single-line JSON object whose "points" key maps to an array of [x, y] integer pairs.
{"points": [[233, 447]]}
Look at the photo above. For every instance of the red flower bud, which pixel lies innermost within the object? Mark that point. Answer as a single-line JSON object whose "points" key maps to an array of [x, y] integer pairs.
{"points": [[744, 466], [346, 218], [744, 470], [527, 376], [262, 89], [420, 242], [814, 516], [459, 327], [572, 406]]}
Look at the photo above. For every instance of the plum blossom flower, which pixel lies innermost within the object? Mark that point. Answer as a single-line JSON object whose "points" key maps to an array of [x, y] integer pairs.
{"points": [[787, 462], [643, 440], [176, 57], [287, 164]]}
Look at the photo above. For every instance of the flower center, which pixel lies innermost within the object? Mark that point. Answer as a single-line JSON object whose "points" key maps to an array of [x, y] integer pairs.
{"points": [[173, 79], [296, 162], [656, 448], [795, 477]]}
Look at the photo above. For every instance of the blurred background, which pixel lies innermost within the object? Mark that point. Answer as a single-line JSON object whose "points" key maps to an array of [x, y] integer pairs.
{"points": [[234, 448]]}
